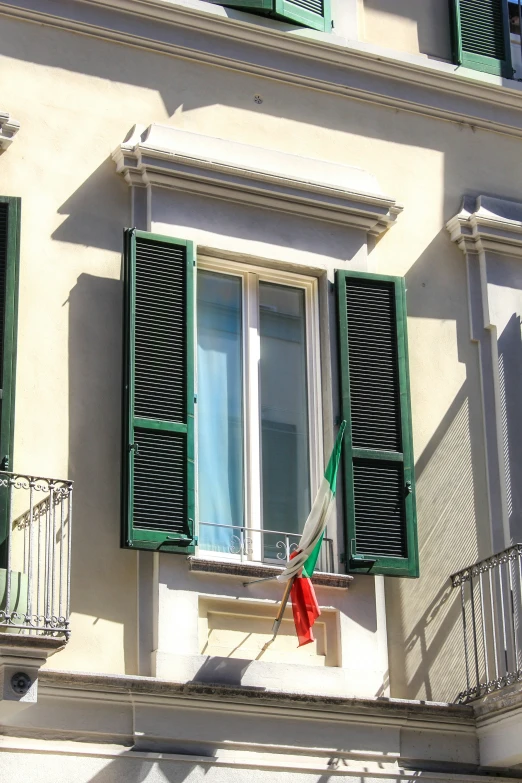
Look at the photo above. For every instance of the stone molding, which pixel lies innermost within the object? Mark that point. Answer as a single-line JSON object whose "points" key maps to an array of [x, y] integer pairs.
{"points": [[490, 224], [168, 157], [9, 127], [458, 715], [21, 659], [261, 571], [210, 34]]}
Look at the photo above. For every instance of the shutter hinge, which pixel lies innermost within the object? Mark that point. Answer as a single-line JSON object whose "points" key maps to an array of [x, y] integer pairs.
{"points": [[342, 557], [135, 447], [5, 463], [408, 488], [195, 398]]}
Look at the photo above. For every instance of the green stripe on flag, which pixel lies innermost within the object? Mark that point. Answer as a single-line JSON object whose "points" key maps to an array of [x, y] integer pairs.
{"points": [[330, 475]]}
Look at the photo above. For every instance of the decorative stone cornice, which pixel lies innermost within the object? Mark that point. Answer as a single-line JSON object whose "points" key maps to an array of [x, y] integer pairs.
{"points": [[487, 223], [207, 33], [9, 127], [444, 714], [171, 158]]}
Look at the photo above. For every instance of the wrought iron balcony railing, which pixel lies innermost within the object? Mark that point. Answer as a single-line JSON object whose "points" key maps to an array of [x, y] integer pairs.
{"points": [[252, 545], [35, 555], [491, 609]]}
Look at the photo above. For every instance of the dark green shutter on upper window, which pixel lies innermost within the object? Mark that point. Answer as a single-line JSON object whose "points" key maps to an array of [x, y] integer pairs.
{"points": [[9, 264], [309, 13], [158, 495], [481, 36], [381, 530]]}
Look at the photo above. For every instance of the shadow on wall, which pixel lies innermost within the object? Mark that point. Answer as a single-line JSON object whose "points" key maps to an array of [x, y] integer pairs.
{"points": [[99, 567], [88, 222], [432, 25], [185, 87], [423, 662], [426, 634], [450, 474], [150, 770], [510, 379]]}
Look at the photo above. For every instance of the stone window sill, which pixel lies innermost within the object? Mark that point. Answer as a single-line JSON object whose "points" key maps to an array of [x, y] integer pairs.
{"points": [[260, 571]]}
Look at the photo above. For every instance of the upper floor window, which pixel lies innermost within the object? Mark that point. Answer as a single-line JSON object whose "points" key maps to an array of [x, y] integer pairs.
{"points": [[481, 35], [309, 13]]}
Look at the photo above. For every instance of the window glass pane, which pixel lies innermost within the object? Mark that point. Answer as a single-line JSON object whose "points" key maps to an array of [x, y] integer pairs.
{"points": [[220, 411], [284, 412], [514, 18]]}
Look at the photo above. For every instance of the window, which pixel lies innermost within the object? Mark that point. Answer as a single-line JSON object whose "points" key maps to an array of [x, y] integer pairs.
{"points": [[259, 431], [9, 261], [481, 36], [309, 13], [247, 338]]}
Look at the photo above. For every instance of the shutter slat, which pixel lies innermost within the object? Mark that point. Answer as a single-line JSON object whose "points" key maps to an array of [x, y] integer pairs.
{"points": [[480, 36], [482, 26], [163, 326], [309, 13], [159, 481], [371, 357], [159, 491], [314, 6], [4, 217], [9, 263], [380, 520]]}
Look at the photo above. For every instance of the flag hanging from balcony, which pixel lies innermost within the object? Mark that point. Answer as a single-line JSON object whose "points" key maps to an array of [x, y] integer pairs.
{"points": [[302, 562]]}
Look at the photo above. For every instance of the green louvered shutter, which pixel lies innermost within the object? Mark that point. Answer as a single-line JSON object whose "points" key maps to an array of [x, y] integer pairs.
{"points": [[381, 532], [481, 36], [9, 264], [158, 400], [309, 13]]}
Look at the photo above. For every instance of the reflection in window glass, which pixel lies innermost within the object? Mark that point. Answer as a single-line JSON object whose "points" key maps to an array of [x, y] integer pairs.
{"points": [[514, 18], [284, 412], [220, 411]]}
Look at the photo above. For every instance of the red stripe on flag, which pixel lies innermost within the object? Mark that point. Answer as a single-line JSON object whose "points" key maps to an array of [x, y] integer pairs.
{"points": [[305, 608]]}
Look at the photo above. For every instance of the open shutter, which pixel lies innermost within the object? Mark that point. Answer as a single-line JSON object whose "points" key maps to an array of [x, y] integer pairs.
{"points": [[381, 531], [481, 36], [158, 400], [9, 264], [309, 13]]}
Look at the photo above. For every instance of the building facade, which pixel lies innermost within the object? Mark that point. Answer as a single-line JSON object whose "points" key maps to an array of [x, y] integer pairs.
{"points": [[225, 229]]}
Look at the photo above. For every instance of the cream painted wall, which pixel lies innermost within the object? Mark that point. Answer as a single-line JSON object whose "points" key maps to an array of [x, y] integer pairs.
{"points": [[76, 98], [414, 27]]}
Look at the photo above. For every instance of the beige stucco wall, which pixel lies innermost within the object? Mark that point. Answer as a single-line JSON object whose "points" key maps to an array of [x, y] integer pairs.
{"points": [[76, 97], [414, 27]]}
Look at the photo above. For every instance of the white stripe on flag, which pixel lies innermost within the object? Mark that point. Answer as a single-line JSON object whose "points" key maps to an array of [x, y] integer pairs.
{"points": [[313, 530]]}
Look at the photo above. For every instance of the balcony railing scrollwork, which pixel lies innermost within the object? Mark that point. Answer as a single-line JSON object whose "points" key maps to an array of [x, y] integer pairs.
{"points": [[491, 611], [257, 545], [35, 583]]}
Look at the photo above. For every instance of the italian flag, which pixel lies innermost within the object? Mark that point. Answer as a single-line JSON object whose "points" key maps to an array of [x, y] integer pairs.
{"points": [[302, 562]]}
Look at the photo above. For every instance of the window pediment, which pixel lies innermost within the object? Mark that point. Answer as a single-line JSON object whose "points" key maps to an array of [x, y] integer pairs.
{"points": [[168, 157]]}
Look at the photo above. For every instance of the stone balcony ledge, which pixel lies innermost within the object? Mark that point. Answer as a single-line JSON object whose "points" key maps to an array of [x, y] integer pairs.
{"points": [[261, 571]]}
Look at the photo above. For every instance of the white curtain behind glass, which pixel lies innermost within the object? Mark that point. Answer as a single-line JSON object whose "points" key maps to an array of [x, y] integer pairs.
{"points": [[220, 410], [284, 412]]}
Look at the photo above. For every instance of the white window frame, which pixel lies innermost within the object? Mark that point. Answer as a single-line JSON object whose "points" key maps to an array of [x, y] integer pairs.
{"points": [[250, 276]]}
